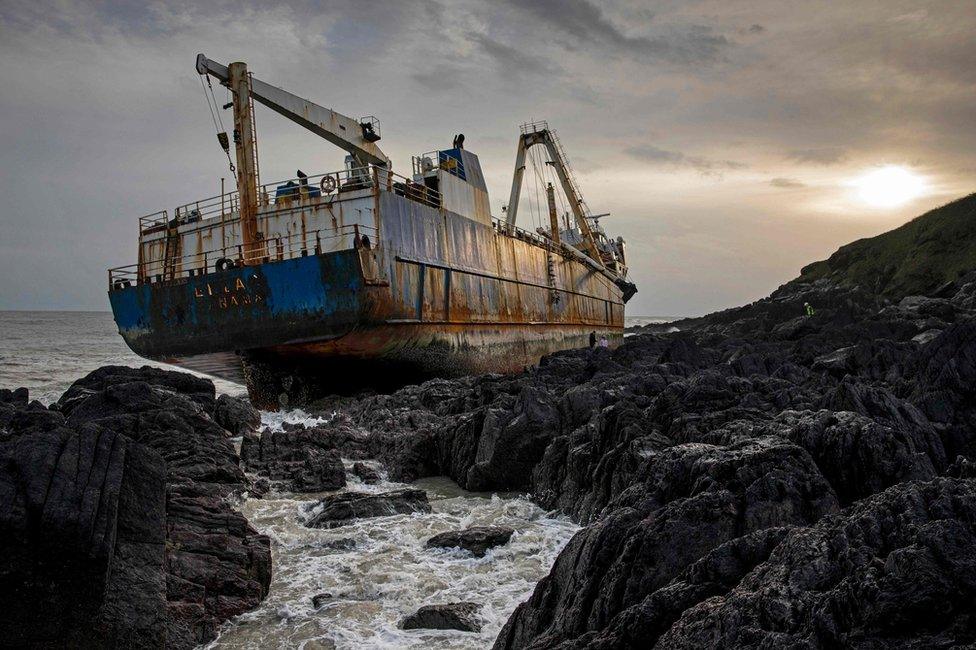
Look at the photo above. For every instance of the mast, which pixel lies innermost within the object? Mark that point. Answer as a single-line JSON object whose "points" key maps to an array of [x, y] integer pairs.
{"points": [[553, 217], [246, 149]]}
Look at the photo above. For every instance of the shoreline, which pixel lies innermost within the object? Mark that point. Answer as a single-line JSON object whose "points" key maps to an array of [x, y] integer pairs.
{"points": [[744, 481]]}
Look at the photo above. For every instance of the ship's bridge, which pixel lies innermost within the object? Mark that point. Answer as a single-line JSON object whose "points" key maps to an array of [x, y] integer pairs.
{"points": [[455, 174]]}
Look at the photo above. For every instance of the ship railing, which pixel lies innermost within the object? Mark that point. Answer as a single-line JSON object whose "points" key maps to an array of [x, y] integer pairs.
{"points": [[503, 228], [534, 127], [432, 160], [403, 186], [153, 222], [293, 193], [284, 247]]}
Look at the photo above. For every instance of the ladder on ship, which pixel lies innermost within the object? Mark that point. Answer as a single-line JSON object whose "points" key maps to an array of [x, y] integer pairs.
{"points": [[254, 133], [172, 250], [570, 173], [551, 277]]}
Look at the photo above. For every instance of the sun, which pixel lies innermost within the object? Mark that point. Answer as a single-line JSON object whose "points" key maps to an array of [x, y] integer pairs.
{"points": [[889, 186]]}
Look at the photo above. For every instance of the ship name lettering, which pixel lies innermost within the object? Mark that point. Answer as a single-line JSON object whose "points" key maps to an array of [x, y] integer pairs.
{"points": [[228, 296]]}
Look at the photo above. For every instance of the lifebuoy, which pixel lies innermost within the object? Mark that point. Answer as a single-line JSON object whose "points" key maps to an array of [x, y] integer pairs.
{"points": [[327, 184], [223, 264], [121, 284]]}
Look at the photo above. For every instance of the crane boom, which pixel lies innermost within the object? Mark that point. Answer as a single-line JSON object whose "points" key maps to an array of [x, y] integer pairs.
{"points": [[343, 131], [540, 134]]}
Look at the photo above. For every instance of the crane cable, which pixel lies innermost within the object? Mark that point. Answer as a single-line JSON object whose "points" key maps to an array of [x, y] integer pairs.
{"points": [[217, 122]]}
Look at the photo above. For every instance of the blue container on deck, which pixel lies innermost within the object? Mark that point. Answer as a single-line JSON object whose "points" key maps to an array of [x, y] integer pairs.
{"points": [[291, 189]]}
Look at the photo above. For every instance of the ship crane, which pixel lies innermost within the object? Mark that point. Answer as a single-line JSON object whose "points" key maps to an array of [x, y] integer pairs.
{"points": [[540, 134], [612, 264], [357, 137]]}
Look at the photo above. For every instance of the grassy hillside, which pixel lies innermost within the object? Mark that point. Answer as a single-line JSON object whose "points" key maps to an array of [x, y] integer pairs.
{"points": [[916, 258]]}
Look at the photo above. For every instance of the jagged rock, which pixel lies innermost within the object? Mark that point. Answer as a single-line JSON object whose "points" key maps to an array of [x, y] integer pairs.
{"points": [[82, 534], [114, 519], [236, 415], [452, 616], [341, 509], [309, 470], [897, 570], [286, 456], [18, 397], [693, 499], [348, 593], [318, 600], [694, 449], [197, 389], [476, 539], [365, 473], [260, 486]]}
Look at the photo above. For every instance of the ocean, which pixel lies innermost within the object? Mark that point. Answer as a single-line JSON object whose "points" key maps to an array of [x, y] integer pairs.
{"points": [[48, 350], [387, 574]]}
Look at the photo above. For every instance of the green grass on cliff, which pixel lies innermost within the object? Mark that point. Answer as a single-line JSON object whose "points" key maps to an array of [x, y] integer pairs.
{"points": [[916, 258]]}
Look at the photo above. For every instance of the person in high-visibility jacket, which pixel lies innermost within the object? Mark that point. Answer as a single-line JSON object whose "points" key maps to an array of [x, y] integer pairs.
{"points": [[809, 309]]}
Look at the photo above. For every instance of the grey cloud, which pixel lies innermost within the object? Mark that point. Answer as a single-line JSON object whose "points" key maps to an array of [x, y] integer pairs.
{"points": [[837, 85], [587, 23], [440, 77], [664, 157], [820, 156], [654, 154], [786, 183], [510, 60]]}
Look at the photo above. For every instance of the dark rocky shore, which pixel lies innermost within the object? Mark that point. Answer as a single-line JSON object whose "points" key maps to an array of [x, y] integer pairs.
{"points": [[116, 520], [759, 479], [762, 478]]}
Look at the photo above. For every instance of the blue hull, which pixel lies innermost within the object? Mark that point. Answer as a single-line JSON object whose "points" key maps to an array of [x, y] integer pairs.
{"points": [[302, 299]]}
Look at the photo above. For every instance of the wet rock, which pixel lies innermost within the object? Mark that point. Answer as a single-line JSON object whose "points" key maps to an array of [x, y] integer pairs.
{"points": [[342, 544], [310, 470], [476, 539], [693, 499], [115, 519], [319, 600], [341, 509], [295, 459], [82, 535], [236, 415], [856, 580], [259, 487], [18, 397], [358, 593], [365, 473], [453, 616], [195, 388]]}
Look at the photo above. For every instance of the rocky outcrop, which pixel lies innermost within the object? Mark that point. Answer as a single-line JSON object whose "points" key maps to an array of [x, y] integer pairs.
{"points": [[476, 539], [897, 570], [365, 473], [452, 616], [235, 414], [341, 509], [297, 459], [694, 456], [115, 524]]}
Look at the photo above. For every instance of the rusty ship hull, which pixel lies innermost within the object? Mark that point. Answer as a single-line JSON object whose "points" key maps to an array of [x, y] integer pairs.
{"points": [[363, 277], [362, 287]]}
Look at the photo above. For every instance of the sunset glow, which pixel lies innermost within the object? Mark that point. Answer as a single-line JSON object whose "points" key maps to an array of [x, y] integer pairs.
{"points": [[889, 187]]}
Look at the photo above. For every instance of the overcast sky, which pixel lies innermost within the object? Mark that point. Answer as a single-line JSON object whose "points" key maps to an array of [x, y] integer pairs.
{"points": [[724, 137]]}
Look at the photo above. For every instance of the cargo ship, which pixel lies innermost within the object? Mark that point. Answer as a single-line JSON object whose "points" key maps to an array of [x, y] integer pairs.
{"points": [[363, 278]]}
